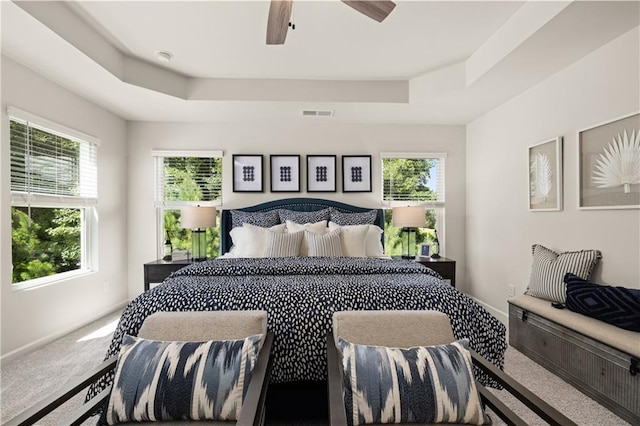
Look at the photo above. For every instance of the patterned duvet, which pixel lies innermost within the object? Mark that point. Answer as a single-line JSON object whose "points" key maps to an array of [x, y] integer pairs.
{"points": [[301, 295]]}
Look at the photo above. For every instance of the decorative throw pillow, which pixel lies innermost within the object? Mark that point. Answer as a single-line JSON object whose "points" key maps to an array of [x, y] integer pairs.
{"points": [[352, 239], [343, 219], [549, 268], [262, 219], [425, 384], [303, 217], [317, 228], [617, 306], [181, 380], [250, 240], [283, 245], [372, 240], [327, 245]]}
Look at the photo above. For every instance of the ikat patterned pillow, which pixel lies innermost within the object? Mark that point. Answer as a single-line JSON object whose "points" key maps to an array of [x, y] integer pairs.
{"points": [[157, 380], [426, 384]]}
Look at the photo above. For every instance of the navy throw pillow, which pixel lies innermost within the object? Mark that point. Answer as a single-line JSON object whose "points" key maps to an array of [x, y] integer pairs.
{"points": [[617, 306]]}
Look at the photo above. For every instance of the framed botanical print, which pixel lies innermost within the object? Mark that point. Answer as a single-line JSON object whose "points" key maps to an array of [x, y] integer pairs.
{"points": [[321, 173], [247, 173], [285, 173], [356, 173], [608, 159], [545, 176]]}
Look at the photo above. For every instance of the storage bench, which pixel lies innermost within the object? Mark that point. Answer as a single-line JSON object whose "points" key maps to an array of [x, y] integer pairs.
{"points": [[599, 359]]}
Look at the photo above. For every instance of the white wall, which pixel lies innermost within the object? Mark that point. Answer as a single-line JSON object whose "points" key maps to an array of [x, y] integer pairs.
{"points": [[37, 316], [500, 229], [296, 137]]}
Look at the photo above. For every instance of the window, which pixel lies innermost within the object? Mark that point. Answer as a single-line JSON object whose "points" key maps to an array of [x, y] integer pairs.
{"points": [[185, 178], [54, 190], [410, 179]]}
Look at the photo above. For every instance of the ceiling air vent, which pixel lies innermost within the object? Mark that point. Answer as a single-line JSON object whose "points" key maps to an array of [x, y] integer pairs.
{"points": [[317, 113]]}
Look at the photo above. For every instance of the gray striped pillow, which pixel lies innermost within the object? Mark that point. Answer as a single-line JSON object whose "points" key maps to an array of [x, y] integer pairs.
{"points": [[283, 245], [327, 245], [549, 268]]}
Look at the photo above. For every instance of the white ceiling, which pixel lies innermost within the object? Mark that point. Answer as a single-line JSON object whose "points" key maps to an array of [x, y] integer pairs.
{"points": [[330, 41], [429, 62]]}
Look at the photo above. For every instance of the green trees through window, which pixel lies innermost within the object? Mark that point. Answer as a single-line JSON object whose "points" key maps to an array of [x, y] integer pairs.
{"points": [[185, 180], [47, 243], [408, 181]]}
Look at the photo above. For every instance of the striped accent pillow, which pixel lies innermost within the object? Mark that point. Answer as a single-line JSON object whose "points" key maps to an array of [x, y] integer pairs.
{"points": [[424, 384], [327, 245], [283, 245], [157, 380], [549, 268]]}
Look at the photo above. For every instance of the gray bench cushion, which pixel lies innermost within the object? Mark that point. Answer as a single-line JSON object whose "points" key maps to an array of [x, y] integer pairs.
{"points": [[398, 329], [623, 340], [202, 326]]}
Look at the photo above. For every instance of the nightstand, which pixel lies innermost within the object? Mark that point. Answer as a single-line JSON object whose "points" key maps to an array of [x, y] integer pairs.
{"points": [[445, 267], [158, 270]]}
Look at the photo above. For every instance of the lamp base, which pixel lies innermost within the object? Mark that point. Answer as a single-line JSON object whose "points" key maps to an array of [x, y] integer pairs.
{"points": [[407, 256], [435, 256], [199, 244]]}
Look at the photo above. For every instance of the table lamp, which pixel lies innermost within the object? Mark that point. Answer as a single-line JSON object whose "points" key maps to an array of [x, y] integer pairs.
{"points": [[409, 218], [197, 219]]}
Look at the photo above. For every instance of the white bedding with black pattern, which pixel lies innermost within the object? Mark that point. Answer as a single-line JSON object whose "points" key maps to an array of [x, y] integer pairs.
{"points": [[301, 295]]}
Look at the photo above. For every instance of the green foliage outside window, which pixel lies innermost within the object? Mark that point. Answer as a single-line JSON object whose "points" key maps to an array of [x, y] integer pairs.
{"points": [[406, 179], [191, 179], [47, 243]]}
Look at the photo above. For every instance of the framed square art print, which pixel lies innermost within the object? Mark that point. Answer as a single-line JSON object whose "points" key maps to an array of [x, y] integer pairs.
{"points": [[285, 173], [321, 173], [356, 173], [609, 164], [247, 173]]}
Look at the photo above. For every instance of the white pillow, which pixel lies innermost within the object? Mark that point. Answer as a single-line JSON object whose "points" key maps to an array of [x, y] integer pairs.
{"points": [[316, 228], [283, 244], [352, 238], [250, 240], [372, 242], [327, 245]]}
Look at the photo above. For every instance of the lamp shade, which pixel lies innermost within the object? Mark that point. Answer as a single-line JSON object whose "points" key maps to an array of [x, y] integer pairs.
{"points": [[409, 217], [198, 217]]}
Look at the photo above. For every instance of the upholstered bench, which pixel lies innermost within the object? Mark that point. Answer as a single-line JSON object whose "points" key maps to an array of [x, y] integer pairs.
{"points": [[599, 359]]}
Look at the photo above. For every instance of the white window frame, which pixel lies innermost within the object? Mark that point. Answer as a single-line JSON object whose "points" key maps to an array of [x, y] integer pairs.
{"points": [[86, 205], [162, 205], [438, 206]]}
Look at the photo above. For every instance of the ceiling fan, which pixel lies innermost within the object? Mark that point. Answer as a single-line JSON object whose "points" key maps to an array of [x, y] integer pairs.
{"points": [[280, 15]]}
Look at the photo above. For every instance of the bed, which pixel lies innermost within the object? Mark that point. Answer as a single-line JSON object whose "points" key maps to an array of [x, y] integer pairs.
{"points": [[301, 294]]}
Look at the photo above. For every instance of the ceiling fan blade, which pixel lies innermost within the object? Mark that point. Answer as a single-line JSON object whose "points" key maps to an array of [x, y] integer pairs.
{"points": [[377, 10], [278, 23]]}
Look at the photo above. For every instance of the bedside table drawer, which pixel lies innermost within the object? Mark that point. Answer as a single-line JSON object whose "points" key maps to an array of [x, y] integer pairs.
{"points": [[158, 270], [443, 266]]}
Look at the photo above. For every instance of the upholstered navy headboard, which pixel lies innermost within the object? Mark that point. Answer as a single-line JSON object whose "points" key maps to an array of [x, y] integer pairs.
{"points": [[296, 204]]}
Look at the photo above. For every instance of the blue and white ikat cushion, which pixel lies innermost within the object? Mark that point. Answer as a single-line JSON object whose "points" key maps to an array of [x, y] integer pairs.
{"points": [[426, 384], [156, 380]]}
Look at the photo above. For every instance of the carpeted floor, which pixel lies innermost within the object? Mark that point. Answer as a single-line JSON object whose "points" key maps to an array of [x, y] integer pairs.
{"points": [[27, 380]]}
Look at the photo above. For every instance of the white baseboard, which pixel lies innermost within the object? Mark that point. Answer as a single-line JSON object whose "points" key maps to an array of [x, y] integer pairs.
{"points": [[502, 316], [52, 337]]}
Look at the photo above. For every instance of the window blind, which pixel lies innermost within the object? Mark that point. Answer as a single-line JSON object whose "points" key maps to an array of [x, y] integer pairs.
{"points": [[48, 166], [185, 176]]}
